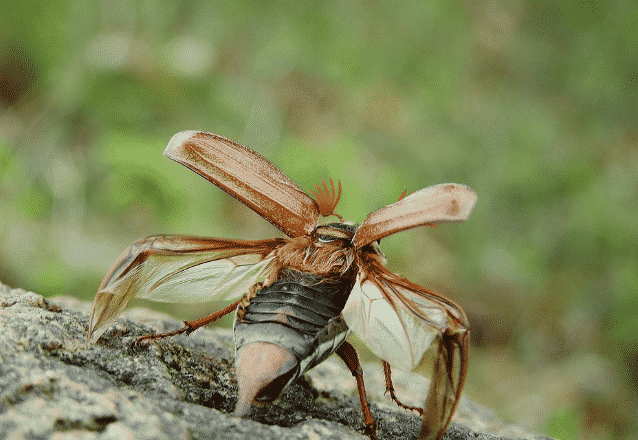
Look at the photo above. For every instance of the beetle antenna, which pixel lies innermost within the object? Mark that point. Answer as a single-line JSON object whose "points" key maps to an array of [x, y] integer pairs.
{"points": [[327, 199]]}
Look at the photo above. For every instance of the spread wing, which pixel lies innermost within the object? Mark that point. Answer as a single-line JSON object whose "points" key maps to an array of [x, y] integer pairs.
{"points": [[447, 202], [247, 176], [177, 268], [400, 322]]}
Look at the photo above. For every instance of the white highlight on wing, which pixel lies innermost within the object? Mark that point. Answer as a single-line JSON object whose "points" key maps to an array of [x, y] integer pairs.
{"points": [[220, 279], [177, 140], [393, 334]]}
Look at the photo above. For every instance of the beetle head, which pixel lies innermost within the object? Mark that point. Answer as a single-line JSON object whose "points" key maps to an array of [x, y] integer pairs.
{"points": [[331, 232]]}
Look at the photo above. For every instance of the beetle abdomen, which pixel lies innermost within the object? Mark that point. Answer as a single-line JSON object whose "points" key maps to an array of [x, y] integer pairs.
{"points": [[303, 308], [287, 328], [292, 312]]}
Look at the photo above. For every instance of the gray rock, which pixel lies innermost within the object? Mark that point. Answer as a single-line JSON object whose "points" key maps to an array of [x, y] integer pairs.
{"points": [[56, 385]]}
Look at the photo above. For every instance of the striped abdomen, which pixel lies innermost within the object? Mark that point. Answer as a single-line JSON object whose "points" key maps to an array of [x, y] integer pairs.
{"points": [[300, 313]]}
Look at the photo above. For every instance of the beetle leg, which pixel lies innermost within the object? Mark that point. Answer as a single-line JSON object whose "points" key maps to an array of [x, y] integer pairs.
{"points": [[389, 388], [191, 326], [349, 355]]}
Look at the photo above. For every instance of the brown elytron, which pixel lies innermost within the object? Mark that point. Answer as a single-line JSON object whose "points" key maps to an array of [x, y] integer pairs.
{"points": [[299, 297]]}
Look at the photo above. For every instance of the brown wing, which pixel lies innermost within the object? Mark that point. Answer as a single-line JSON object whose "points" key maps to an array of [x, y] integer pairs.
{"points": [[400, 322], [447, 202], [177, 268], [247, 176]]}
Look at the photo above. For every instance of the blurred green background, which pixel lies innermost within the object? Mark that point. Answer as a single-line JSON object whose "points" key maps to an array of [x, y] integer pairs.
{"points": [[532, 103]]}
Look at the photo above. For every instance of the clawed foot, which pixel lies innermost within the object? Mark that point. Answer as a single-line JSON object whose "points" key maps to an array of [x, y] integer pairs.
{"points": [[370, 430], [187, 329]]}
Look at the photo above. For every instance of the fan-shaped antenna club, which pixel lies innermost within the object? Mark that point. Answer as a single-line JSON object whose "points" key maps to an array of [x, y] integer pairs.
{"points": [[327, 199]]}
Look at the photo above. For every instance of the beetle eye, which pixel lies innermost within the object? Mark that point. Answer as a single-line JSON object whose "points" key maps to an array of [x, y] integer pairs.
{"points": [[325, 238]]}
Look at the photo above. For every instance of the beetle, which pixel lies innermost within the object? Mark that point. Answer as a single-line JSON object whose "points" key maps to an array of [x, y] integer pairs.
{"points": [[300, 296]]}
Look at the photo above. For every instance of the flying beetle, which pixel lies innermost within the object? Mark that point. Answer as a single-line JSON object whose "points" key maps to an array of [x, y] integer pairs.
{"points": [[300, 296]]}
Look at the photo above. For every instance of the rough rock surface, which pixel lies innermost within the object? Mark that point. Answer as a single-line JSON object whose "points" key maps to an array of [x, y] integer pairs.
{"points": [[56, 385]]}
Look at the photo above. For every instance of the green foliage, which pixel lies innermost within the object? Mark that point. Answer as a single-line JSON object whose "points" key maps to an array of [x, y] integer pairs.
{"points": [[531, 103], [563, 425]]}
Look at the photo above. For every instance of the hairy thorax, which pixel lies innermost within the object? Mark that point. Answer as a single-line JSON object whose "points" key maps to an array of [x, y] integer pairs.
{"points": [[334, 259]]}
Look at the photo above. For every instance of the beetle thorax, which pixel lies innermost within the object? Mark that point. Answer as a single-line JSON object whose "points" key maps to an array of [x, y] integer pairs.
{"points": [[307, 254]]}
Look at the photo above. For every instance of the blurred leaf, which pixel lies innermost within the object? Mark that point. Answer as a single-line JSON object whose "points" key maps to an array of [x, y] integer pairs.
{"points": [[563, 425], [35, 201]]}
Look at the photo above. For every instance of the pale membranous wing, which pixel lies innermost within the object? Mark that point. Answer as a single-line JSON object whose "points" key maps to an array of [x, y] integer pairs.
{"points": [[247, 176], [447, 202], [400, 321], [177, 268]]}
